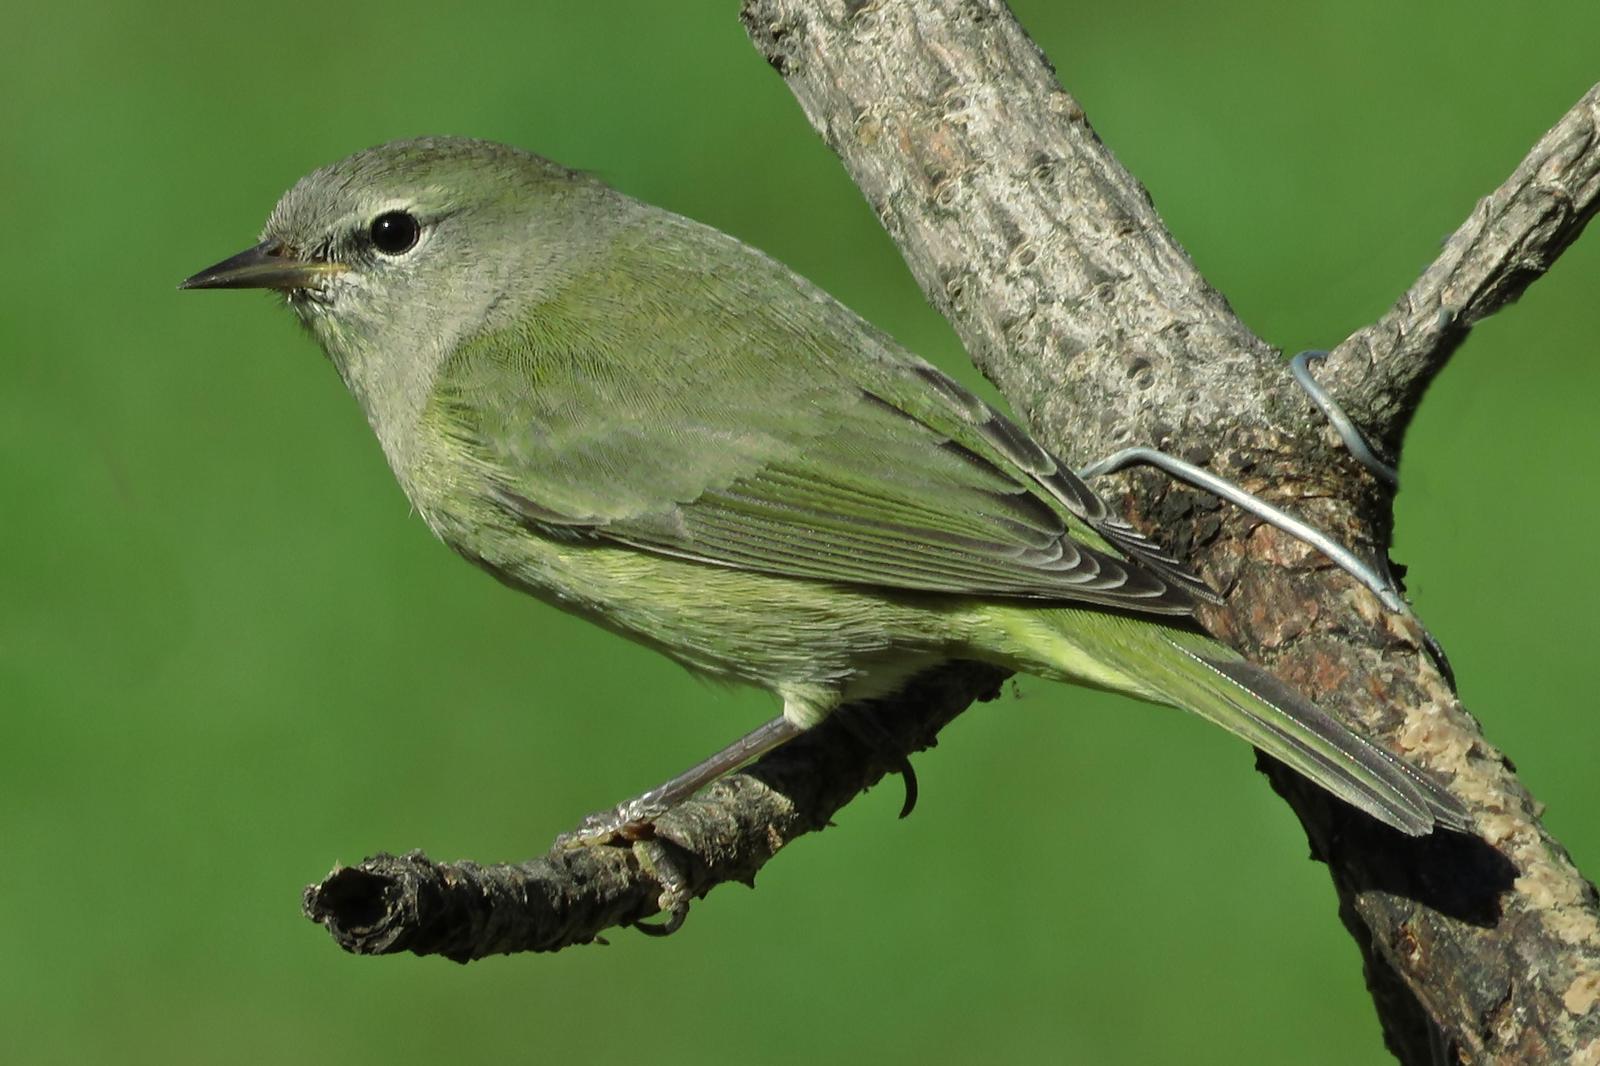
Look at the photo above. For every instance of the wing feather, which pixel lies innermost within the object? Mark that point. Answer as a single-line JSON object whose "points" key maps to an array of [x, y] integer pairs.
{"points": [[803, 444]]}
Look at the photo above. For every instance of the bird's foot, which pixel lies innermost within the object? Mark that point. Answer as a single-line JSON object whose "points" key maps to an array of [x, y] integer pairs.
{"points": [[626, 823], [632, 824], [658, 860]]}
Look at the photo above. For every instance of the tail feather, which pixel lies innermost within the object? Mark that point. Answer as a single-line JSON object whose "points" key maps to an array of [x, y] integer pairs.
{"points": [[1252, 704], [1188, 670]]}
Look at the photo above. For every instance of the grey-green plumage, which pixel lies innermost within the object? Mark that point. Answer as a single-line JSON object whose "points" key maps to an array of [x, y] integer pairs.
{"points": [[651, 424]]}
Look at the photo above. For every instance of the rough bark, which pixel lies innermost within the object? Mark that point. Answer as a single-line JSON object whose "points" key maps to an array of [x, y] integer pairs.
{"points": [[465, 911], [1055, 269], [1379, 373]]}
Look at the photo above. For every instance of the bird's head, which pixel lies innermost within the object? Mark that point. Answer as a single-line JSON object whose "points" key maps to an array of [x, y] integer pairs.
{"points": [[414, 243]]}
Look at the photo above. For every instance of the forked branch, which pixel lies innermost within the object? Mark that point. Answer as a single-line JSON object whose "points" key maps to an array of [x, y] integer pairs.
{"points": [[1051, 262]]}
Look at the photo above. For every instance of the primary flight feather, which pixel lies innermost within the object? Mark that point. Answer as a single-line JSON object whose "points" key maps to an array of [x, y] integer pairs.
{"points": [[651, 424]]}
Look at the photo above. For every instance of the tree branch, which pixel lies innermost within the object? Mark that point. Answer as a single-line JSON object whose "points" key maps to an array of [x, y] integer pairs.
{"points": [[1379, 373], [1052, 264], [1079, 305], [465, 911]]}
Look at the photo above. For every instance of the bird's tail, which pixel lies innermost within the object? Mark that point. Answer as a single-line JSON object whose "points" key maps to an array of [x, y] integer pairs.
{"points": [[1195, 673]]}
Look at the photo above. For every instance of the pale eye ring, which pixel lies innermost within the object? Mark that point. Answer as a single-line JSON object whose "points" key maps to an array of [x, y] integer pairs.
{"points": [[395, 232]]}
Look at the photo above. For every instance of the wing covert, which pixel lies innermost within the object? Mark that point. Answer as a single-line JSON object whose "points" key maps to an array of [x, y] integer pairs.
{"points": [[763, 440]]}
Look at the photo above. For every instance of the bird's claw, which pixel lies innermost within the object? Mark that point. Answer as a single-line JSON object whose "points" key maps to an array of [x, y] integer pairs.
{"points": [[626, 823], [657, 860]]}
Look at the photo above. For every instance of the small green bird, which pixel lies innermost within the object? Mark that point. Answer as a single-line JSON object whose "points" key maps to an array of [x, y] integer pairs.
{"points": [[646, 422]]}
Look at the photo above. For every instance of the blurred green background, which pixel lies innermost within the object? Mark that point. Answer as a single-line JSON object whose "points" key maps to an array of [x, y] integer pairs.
{"points": [[229, 657]]}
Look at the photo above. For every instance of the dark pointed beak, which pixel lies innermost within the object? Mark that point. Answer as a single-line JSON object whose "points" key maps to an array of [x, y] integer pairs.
{"points": [[266, 266]]}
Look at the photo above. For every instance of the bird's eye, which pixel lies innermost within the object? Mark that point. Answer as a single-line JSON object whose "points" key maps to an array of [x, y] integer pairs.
{"points": [[395, 232]]}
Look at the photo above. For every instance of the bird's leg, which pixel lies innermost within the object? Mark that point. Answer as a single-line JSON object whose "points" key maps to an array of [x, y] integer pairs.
{"points": [[1375, 577], [633, 820]]}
